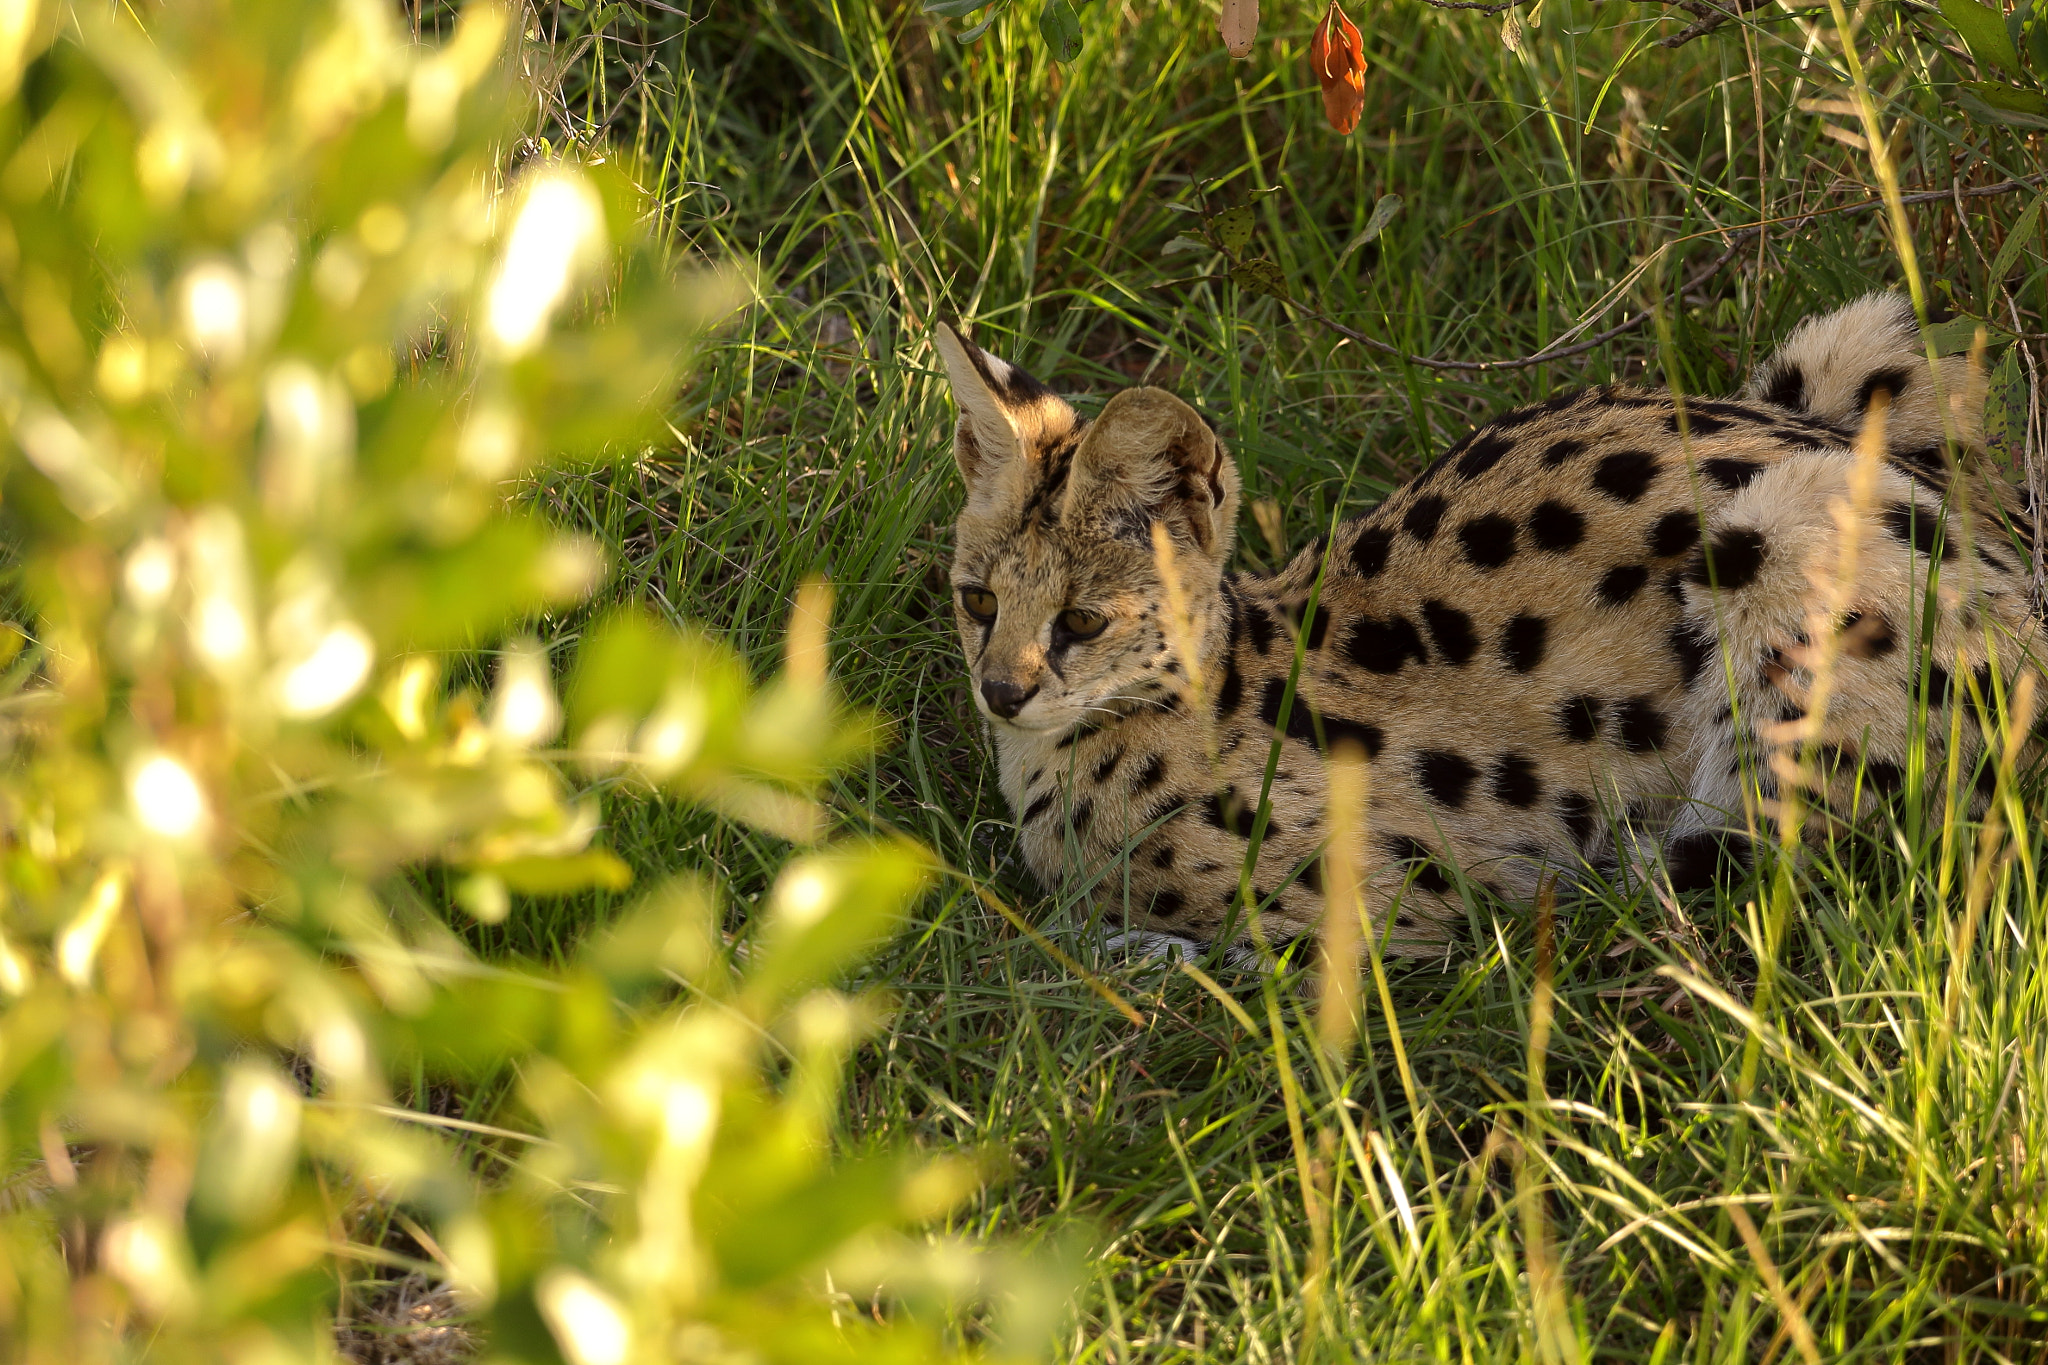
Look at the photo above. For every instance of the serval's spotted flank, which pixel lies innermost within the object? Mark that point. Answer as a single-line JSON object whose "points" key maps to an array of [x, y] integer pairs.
{"points": [[1568, 644]]}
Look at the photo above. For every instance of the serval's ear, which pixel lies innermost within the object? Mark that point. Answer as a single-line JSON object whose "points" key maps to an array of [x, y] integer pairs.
{"points": [[1150, 457], [1005, 414]]}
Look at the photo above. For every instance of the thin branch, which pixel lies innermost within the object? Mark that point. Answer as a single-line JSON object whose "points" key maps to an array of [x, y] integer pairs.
{"points": [[1478, 5], [1734, 239], [1711, 17]]}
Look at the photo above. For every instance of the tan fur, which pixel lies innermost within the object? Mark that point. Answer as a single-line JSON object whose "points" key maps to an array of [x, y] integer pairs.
{"points": [[1585, 618]]}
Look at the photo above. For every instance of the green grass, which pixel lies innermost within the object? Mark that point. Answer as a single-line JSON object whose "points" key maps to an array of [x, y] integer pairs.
{"points": [[1667, 1175]]}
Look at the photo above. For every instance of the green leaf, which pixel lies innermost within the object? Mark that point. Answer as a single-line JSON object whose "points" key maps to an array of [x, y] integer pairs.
{"points": [[1982, 30], [757, 1240], [2005, 406], [631, 664], [2028, 29], [955, 9], [1232, 229], [1060, 26], [1959, 334], [2017, 240], [1382, 214], [674, 928], [829, 909], [1261, 277], [559, 876], [1991, 103]]}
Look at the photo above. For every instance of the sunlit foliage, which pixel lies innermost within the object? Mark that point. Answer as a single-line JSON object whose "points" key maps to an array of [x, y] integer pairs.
{"points": [[282, 323]]}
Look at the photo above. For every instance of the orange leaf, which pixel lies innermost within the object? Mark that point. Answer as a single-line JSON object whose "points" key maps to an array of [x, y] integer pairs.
{"points": [[1337, 55]]}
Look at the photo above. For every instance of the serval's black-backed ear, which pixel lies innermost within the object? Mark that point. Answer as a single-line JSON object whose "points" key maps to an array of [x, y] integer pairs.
{"points": [[1004, 413], [1150, 457]]}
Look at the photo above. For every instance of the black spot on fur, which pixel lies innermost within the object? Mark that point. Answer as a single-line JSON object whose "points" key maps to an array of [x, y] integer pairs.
{"points": [[1151, 775], [1515, 782], [1812, 434], [1577, 813], [1674, 586], [1702, 860], [1489, 541], [1483, 454], [1369, 551], [1167, 904], [1640, 726], [1451, 629], [1982, 676], [1622, 582], [1384, 646], [1732, 559], [1337, 730], [1620, 396], [1890, 382], [1925, 464], [1884, 777], [1446, 776], [1786, 388], [1555, 527], [1272, 696], [1579, 718], [1560, 451], [1868, 637], [1523, 641], [1694, 422], [1729, 408], [1226, 812], [1995, 562], [1231, 693], [1422, 518], [1107, 764], [1401, 848], [1038, 807], [1316, 626], [1731, 474], [1919, 527], [1522, 416], [1259, 626], [1692, 651], [1081, 815], [1440, 463], [1985, 783], [1626, 474], [1674, 534]]}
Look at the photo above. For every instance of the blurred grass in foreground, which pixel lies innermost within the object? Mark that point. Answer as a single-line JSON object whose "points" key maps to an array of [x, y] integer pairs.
{"points": [[277, 332]]}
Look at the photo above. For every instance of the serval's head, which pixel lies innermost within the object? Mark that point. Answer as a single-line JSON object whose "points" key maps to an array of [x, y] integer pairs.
{"points": [[1057, 576]]}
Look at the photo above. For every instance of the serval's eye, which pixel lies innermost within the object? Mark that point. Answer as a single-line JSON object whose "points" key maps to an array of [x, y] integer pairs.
{"points": [[979, 603], [1078, 624]]}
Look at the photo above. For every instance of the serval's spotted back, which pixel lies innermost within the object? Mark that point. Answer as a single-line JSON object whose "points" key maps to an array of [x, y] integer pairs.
{"points": [[1587, 617]]}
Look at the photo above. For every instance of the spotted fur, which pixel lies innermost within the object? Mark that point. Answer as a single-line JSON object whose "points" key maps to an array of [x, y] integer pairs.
{"points": [[1568, 644]]}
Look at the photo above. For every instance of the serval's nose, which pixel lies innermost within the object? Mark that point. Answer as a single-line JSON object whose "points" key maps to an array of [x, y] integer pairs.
{"points": [[1006, 699]]}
